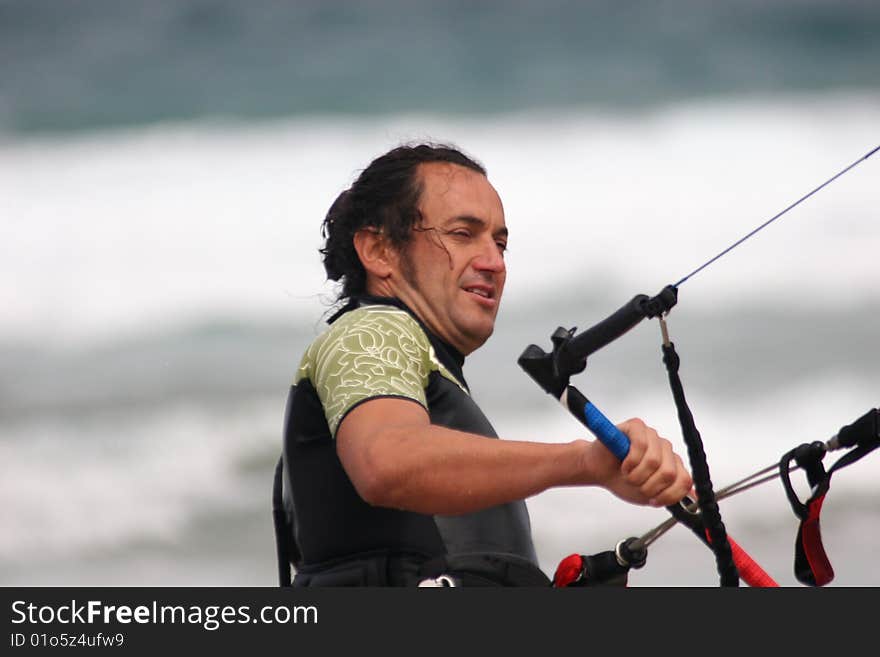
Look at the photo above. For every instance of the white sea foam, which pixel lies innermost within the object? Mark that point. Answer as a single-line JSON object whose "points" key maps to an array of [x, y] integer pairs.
{"points": [[79, 488], [111, 232]]}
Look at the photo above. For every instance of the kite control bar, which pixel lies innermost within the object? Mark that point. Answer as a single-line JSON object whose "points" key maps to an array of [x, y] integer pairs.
{"points": [[553, 370]]}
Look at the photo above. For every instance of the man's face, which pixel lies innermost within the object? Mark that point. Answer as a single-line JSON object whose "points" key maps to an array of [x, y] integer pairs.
{"points": [[452, 271]]}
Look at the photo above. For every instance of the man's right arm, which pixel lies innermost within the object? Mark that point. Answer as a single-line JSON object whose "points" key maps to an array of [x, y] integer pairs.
{"points": [[396, 458]]}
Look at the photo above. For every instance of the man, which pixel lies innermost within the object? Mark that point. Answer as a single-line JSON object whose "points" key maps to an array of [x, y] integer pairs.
{"points": [[388, 462]]}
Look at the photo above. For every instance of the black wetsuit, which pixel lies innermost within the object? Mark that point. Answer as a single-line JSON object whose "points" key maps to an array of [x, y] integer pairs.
{"points": [[376, 347]]}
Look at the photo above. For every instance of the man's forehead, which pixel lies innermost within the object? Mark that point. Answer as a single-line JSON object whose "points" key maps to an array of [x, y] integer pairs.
{"points": [[439, 172], [450, 185]]}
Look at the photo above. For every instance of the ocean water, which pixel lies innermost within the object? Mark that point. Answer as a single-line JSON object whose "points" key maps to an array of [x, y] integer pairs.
{"points": [[161, 196]]}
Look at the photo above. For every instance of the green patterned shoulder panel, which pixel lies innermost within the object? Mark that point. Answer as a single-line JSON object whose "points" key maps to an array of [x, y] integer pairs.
{"points": [[373, 351]]}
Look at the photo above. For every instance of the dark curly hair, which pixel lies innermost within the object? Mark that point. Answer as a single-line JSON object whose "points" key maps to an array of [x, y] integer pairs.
{"points": [[385, 196]]}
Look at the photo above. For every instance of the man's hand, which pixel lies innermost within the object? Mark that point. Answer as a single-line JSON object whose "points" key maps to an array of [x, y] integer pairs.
{"points": [[651, 474]]}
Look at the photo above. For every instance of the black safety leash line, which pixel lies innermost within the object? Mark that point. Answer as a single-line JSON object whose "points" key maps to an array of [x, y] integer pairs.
{"points": [[707, 502]]}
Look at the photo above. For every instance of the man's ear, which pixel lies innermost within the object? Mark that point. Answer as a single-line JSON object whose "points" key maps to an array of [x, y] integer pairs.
{"points": [[375, 251]]}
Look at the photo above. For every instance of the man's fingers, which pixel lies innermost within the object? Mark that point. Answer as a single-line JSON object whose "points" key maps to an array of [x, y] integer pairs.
{"points": [[642, 463], [653, 466], [665, 490], [662, 476], [635, 430]]}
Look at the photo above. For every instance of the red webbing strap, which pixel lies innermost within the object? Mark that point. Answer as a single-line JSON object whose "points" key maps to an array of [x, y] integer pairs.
{"points": [[811, 564]]}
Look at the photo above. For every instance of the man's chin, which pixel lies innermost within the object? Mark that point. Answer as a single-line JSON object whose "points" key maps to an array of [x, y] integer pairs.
{"points": [[478, 335]]}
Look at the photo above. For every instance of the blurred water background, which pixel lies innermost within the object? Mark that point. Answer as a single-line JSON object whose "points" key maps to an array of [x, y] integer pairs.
{"points": [[164, 168]]}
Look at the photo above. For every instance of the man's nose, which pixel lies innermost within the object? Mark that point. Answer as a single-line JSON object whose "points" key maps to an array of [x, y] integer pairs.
{"points": [[490, 258]]}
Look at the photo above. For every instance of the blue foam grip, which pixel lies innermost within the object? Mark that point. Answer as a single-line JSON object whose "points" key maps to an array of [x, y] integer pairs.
{"points": [[612, 437]]}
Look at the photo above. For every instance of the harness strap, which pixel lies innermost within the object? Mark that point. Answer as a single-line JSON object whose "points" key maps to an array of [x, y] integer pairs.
{"points": [[700, 471], [485, 569], [380, 567], [388, 568]]}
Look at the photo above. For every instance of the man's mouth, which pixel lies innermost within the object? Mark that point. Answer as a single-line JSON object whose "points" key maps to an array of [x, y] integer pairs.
{"points": [[484, 291]]}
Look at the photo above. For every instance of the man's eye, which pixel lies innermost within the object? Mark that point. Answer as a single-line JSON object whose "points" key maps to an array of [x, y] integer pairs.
{"points": [[461, 232]]}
